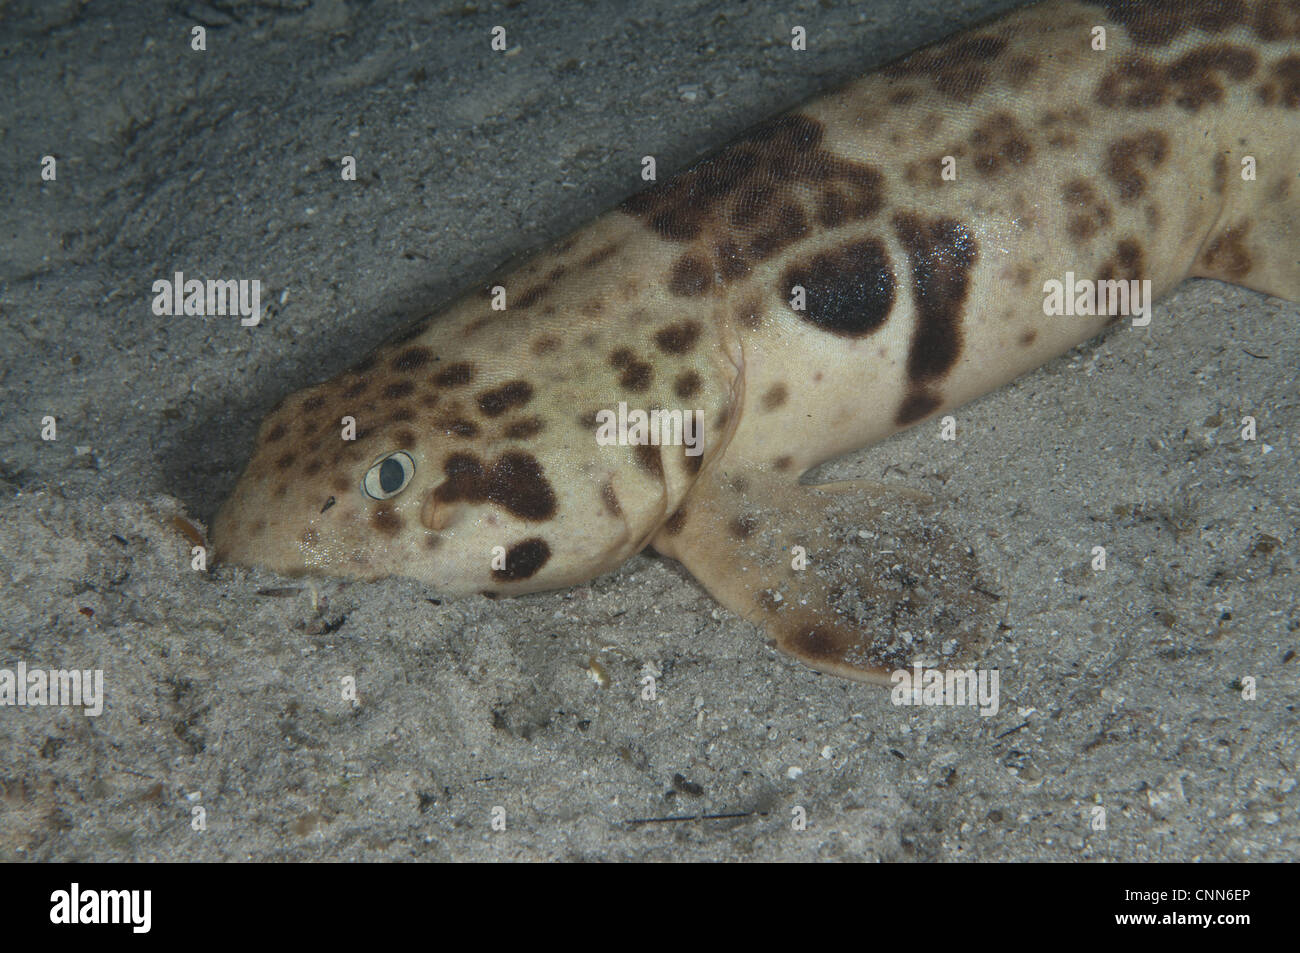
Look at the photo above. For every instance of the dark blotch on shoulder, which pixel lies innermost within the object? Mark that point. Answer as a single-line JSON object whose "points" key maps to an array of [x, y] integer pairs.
{"points": [[849, 290]]}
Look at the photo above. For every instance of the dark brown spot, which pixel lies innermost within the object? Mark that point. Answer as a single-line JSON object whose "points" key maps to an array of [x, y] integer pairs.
{"points": [[691, 276], [1088, 213], [523, 560], [1277, 19], [775, 397], [848, 291], [750, 314], [954, 66], [1283, 86], [673, 525], [1158, 22], [524, 428], [1028, 338], [610, 499], [285, 462], [313, 403], [648, 459], [783, 463], [687, 385], [386, 521], [1227, 256], [1193, 80], [1000, 146], [636, 374], [412, 359], [1127, 157], [512, 394], [599, 255], [401, 415], [1220, 173], [313, 467], [545, 344], [398, 390], [533, 295], [356, 389], [1126, 264], [276, 433], [941, 253], [404, 439], [460, 427], [515, 482], [1021, 69], [753, 198], [678, 338], [454, 375]]}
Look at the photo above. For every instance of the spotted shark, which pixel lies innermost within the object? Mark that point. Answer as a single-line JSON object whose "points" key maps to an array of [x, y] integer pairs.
{"points": [[875, 257]]}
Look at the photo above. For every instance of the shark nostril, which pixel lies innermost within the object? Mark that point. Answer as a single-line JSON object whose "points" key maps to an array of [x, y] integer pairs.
{"points": [[434, 515]]}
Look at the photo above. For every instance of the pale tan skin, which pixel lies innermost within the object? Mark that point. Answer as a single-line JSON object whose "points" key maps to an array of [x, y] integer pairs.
{"points": [[921, 294]]}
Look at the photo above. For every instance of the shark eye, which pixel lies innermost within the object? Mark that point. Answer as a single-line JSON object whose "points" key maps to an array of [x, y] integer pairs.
{"points": [[388, 477]]}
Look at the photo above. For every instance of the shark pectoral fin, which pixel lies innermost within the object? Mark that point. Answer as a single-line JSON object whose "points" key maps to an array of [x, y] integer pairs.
{"points": [[852, 578]]}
